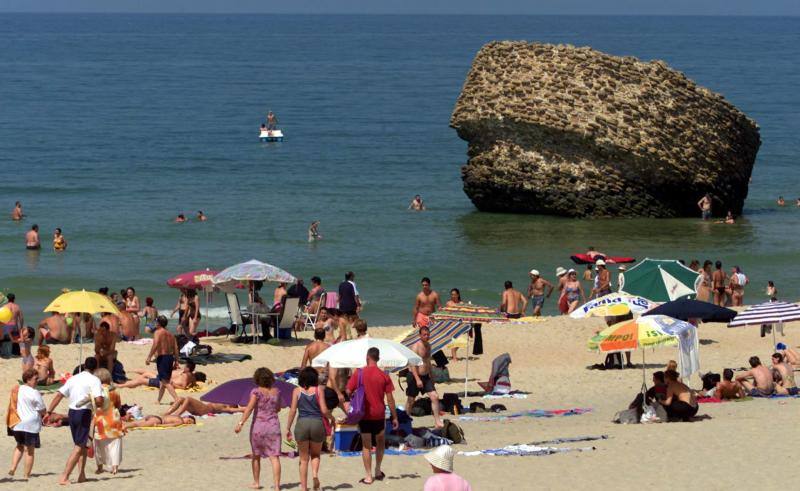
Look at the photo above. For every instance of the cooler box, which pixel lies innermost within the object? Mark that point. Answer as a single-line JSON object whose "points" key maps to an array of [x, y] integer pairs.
{"points": [[285, 333], [343, 437]]}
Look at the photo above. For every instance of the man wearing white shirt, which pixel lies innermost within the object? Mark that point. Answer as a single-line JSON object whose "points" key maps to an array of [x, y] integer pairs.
{"points": [[30, 409], [80, 390]]}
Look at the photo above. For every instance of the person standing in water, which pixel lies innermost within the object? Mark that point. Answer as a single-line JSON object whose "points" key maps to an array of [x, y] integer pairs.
{"points": [[32, 239], [705, 206], [417, 204], [313, 231], [59, 242], [16, 213], [201, 217]]}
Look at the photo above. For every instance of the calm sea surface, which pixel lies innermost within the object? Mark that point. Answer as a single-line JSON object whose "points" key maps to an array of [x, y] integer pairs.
{"points": [[110, 125]]}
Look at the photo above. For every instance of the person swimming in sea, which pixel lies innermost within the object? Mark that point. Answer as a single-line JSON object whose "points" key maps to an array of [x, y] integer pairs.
{"points": [[313, 231], [59, 242], [729, 220], [201, 216], [781, 201], [417, 204], [32, 239], [180, 218], [17, 215]]}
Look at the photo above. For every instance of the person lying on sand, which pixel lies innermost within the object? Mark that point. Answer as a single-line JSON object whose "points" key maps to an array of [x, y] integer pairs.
{"points": [[762, 384], [727, 388], [154, 421], [184, 379], [789, 354], [198, 408]]}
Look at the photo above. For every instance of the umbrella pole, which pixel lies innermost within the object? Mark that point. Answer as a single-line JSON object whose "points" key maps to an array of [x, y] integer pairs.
{"points": [[644, 373], [206, 312], [466, 370]]}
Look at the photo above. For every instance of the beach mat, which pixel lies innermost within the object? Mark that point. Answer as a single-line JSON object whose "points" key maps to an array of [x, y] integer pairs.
{"points": [[46, 389], [533, 413], [166, 427], [215, 358]]}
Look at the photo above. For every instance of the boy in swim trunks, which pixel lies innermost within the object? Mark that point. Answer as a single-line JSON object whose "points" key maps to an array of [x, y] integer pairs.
{"points": [[165, 347], [762, 384]]}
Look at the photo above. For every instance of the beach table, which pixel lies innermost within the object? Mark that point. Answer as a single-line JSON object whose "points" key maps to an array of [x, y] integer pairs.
{"points": [[256, 316]]}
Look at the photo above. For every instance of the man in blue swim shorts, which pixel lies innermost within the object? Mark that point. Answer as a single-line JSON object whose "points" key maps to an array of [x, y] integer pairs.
{"points": [[165, 349]]}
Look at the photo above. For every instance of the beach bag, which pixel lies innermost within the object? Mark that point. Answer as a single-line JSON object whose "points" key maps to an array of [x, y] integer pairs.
{"points": [[628, 416], [201, 350], [453, 432], [451, 403], [422, 407], [355, 412], [440, 375]]}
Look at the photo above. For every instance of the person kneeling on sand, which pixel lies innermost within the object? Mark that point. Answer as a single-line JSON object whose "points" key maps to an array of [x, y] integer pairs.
{"points": [[166, 421], [727, 388], [762, 384], [787, 385], [443, 478], [198, 408], [680, 402]]}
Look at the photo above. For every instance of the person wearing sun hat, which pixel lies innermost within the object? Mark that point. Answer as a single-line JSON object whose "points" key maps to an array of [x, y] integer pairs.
{"points": [[443, 478], [561, 274], [621, 277], [602, 282], [536, 291]]}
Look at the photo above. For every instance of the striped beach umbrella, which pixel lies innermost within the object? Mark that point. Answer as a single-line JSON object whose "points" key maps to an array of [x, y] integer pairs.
{"points": [[466, 312], [767, 313], [442, 332]]}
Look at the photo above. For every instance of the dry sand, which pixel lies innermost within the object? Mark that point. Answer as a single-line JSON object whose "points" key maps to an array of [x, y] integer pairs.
{"points": [[737, 445]]}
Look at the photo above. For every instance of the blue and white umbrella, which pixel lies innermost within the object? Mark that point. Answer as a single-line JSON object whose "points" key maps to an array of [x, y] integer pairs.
{"points": [[767, 313]]}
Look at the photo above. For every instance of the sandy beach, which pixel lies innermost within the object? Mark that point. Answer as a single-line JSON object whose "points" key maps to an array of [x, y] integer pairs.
{"points": [[549, 361]]}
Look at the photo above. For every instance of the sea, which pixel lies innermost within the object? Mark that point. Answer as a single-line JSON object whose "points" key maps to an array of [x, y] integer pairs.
{"points": [[111, 125]]}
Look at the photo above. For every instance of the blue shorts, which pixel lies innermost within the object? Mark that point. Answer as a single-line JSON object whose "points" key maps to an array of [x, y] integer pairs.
{"points": [[537, 301], [706, 214], [80, 422], [153, 382], [164, 365]]}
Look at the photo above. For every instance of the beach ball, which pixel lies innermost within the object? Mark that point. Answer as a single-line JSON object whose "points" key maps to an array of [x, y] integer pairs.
{"points": [[5, 315]]}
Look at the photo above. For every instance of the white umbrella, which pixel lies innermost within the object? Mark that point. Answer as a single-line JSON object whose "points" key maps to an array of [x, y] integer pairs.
{"points": [[603, 306], [252, 270], [353, 354]]}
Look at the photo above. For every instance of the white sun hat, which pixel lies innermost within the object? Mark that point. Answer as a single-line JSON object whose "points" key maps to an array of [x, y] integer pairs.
{"points": [[560, 271], [600, 262], [441, 457], [535, 272]]}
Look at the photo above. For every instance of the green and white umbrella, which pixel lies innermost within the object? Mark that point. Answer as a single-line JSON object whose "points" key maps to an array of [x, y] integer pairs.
{"points": [[660, 280]]}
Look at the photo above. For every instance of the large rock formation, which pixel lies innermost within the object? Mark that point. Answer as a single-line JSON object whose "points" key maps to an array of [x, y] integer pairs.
{"points": [[574, 132]]}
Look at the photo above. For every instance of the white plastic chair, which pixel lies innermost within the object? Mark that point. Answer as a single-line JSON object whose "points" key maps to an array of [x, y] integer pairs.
{"points": [[310, 318]]}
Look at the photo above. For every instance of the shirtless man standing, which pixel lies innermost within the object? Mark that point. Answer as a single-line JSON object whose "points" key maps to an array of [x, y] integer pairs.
{"points": [[105, 346], [426, 303], [16, 213], [603, 280], [536, 291], [762, 384], [113, 322], [513, 302], [166, 350], [32, 239], [705, 207], [418, 379], [718, 280], [54, 330], [313, 349], [417, 204], [16, 323]]}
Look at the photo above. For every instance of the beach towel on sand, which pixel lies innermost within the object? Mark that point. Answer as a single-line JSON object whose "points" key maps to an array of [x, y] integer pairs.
{"points": [[533, 413], [46, 389], [215, 358]]}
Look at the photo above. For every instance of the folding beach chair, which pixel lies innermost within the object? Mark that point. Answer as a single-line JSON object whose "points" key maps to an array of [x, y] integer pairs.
{"points": [[235, 313], [289, 314], [310, 318]]}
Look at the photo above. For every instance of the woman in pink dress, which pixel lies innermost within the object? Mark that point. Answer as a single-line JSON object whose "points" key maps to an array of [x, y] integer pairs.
{"points": [[265, 430]]}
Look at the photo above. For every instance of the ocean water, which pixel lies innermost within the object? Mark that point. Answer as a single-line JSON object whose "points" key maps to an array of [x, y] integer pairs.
{"points": [[110, 125]]}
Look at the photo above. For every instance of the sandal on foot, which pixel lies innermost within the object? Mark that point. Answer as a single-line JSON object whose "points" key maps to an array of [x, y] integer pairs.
{"points": [[363, 480], [380, 477]]}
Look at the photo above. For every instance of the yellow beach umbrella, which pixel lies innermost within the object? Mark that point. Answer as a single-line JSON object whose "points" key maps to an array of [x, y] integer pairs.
{"points": [[83, 302]]}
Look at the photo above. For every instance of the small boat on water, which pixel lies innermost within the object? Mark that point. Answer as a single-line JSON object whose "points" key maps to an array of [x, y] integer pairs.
{"points": [[266, 135]]}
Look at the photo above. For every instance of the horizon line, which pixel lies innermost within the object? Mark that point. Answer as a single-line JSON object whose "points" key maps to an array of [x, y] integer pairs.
{"points": [[388, 14]]}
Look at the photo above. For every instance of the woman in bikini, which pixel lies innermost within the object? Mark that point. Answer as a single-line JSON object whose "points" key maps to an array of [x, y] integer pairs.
{"points": [[154, 421], [180, 308], [573, 291], [44, 366], [704, 288], [132, 305], [192, 312]]}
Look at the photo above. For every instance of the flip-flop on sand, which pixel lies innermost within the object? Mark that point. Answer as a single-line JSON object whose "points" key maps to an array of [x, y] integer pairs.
{"points": [[363, 480]]}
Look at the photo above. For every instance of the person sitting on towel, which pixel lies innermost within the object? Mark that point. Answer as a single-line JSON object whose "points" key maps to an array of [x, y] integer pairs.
{"points": [[762, 384], [680, 402], [786, 385], [727, 388]]}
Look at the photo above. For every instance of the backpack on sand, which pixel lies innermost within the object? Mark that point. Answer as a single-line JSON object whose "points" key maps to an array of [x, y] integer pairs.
{"points": [[453, 432]]}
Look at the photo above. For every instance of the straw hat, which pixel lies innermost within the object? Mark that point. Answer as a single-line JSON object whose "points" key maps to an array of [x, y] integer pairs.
{"points": [[535, 272], [623, 268], [441, 457], [600, 262], [560, 271]]}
